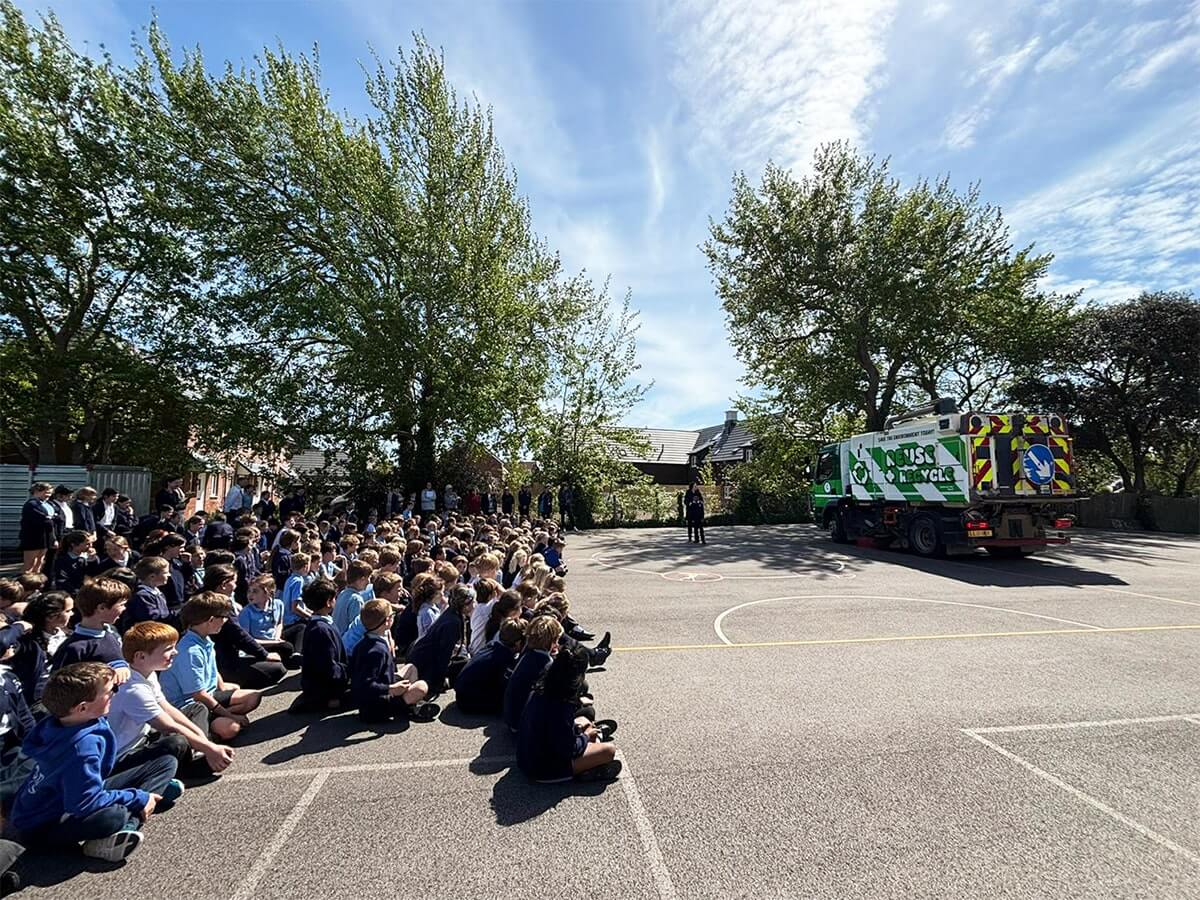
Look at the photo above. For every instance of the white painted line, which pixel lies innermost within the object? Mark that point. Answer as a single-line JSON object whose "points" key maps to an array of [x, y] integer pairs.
{"points": [[1195, 719], [1068, 583], [708, 577], [1018, 612], [1091, 801], [369, 767], [641, 821], [1063, 726], [263, 863]]}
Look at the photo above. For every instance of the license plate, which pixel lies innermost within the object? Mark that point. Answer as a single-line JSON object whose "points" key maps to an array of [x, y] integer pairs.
{"points": [[987, 532]]}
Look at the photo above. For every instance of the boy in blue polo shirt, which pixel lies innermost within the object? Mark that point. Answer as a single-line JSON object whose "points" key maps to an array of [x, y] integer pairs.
{"points": [[193, 676], [294, 610], [352, 598]]}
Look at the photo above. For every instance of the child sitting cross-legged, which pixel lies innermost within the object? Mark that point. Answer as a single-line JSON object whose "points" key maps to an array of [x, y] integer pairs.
{"points": [[148, 603], [380, 691], [71, 564], [324, 677], [262, 619], [553, 743], [144, 722], [72, 796], [193, 677], [479, 688]]}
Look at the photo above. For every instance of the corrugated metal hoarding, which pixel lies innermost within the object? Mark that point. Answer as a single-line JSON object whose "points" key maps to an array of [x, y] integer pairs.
{"points": [[15, 481]]}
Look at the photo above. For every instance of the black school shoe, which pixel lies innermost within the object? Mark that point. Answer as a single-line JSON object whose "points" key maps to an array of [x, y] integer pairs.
{"points": [[606, 772], [423, 712], [597, 655], [581, 634]]}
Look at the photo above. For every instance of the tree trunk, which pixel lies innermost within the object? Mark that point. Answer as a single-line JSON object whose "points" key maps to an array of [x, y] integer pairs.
{"points": [[48, 428], [1185, 475]]}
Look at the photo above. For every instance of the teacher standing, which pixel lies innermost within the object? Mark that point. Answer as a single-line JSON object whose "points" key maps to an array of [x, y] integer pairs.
{"points": [[693, 508]]}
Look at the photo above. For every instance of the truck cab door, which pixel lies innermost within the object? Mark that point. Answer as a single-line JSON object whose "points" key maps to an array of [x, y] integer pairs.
{"points": [[827, 477]]}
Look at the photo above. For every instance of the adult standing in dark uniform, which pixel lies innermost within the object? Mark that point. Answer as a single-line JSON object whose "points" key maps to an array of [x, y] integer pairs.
{"points": [[524, 501], [693, 506], [506, 502], [171, 494], [566, 506]]}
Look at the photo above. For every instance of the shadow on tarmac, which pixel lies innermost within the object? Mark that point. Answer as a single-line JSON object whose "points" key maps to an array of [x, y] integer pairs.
{"points": [[515, 799], [805, 550]]}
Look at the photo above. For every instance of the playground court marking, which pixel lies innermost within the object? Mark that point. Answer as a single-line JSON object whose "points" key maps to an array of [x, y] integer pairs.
{"points": [[901, 638], [704, 576], [977, 734], [320, 775], [1018, 612]]}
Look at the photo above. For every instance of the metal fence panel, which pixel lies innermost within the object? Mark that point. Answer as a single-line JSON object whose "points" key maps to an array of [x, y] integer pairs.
{"points": [[16, 479], [134, 482], [14, 491]]}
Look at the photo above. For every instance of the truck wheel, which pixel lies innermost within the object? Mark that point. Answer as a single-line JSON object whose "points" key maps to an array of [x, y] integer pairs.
{"points": [[925, 537], [837, 528]]}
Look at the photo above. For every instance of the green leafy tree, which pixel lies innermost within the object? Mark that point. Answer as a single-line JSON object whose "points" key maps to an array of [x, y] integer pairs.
{"points": [[1129, 382], [577, 438], [390, 262], [845, 292], [99, 278]]}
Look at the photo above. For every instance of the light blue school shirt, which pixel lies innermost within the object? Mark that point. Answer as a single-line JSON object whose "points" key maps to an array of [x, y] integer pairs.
{"points": [[293, 589], [346, 608], [193, 669], [260, 623]]}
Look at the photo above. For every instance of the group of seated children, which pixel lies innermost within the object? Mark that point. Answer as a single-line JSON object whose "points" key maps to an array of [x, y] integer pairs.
{"points": [[126, 672]]}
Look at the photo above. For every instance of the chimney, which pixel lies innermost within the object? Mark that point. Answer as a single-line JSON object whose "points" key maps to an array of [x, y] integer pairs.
{"points": [[731, 417]]}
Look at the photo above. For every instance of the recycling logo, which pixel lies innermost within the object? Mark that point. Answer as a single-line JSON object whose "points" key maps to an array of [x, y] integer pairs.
{"points": [[1038, 464]]}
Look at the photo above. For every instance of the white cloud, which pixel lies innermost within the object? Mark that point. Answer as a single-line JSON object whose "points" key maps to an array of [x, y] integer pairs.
{"points": [[995, 75], [658, 175], [764, 78], [1141, 74], [693, 365], [1128, 216]]}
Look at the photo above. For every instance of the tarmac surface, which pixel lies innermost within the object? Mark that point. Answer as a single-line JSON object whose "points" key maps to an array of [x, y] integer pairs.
{"points": [[798, 719]]}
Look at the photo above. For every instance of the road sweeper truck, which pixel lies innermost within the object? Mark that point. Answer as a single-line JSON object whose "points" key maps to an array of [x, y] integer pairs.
{"points": [[938, 481]]}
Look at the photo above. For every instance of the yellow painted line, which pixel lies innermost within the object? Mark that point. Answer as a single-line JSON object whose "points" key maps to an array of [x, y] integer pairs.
{"points": [[819, 642]]}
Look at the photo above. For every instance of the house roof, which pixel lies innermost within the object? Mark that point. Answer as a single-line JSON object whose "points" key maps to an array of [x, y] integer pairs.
{"points": [[304, 462], [667, 445], [673, 446]]}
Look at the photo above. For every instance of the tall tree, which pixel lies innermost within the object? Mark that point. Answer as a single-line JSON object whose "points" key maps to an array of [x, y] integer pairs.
{"points": [[846, 292], [415, 293], [98, 263], [577, 437], [1129, 381]]}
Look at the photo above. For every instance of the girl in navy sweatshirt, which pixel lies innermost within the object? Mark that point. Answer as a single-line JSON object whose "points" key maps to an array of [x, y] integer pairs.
{"points": [[433, 653], [553, 744]]}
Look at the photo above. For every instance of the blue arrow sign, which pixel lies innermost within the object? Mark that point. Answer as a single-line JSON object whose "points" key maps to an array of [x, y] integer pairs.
{"points": [[1038, 464]]}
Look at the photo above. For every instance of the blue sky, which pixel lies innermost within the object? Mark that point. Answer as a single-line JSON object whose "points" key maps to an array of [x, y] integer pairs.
{"points": [[626, 120]]}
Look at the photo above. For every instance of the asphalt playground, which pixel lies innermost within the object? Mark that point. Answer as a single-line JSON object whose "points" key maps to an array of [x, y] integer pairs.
{"points": [[797, 719]]}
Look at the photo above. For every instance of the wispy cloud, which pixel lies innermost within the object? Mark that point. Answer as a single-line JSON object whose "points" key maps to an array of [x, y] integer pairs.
{"points": [[995, 75], [1127, 217], [767, 79], [1185, 47]]}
